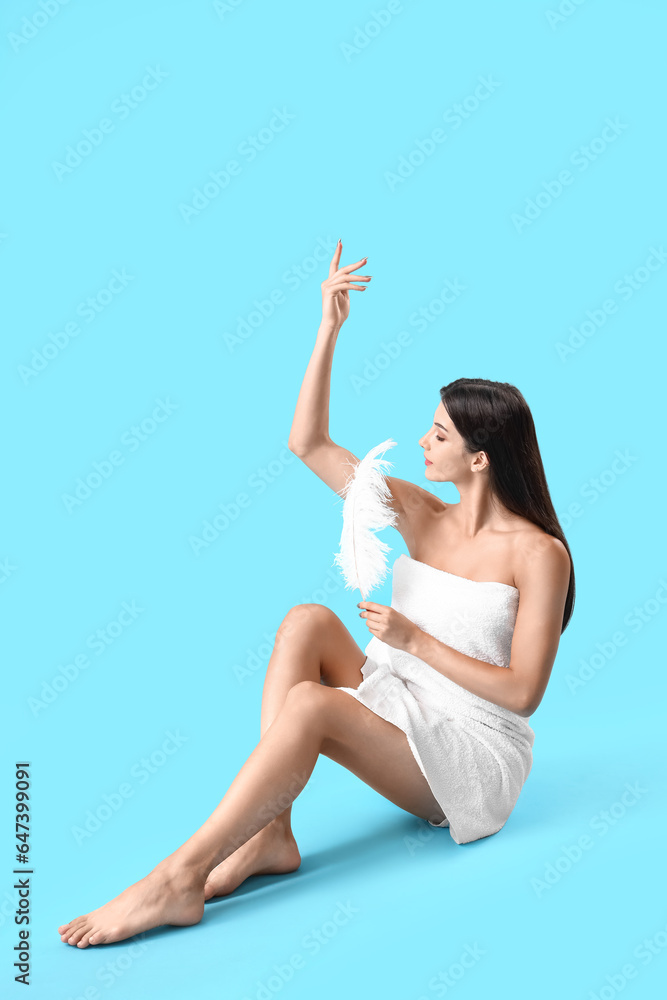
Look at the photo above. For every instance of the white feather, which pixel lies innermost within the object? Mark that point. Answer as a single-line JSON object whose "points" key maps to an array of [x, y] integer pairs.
{"points": [[362, 557]]}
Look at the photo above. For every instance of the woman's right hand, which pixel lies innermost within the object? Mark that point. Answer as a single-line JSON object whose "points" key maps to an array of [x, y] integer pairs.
{"points": [[336, 288]]}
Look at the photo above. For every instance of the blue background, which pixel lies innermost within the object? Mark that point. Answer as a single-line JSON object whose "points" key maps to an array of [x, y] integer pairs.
{"points": [[170, 333]]}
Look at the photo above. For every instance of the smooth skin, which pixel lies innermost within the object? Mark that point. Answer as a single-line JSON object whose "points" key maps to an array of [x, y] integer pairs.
{"points": [[302, 714]]}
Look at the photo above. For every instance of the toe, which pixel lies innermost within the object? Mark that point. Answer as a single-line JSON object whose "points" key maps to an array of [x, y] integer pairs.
{"points": [[78, 934], [63, 927], [85, 940], [71, 929]]}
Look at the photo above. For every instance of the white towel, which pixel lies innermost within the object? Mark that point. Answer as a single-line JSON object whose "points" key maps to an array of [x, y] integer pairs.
{"points": [[475, 755]]}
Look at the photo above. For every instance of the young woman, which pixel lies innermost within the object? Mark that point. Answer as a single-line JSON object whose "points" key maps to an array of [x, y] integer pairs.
{"points": [[432, 714]]}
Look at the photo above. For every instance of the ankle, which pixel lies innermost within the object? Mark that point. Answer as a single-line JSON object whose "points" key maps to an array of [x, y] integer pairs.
{"points": [[281, 826], [185, 872]]}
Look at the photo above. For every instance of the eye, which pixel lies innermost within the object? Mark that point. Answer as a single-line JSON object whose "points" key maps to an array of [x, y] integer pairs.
{"points": [[438, 438]]}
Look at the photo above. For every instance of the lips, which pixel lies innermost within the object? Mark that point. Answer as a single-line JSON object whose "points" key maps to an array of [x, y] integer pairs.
{"points": [[427, 461]]}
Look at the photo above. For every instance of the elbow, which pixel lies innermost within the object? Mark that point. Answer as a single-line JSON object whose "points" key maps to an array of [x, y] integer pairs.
{"points": [[525, 704], [295, 448], [301, 448]]}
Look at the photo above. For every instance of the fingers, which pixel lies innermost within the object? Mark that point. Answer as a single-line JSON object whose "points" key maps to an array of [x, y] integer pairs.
{"points": [[342, 281], [341, 276], [352, 267], [333, 266], [339, 279], [335, 261]]}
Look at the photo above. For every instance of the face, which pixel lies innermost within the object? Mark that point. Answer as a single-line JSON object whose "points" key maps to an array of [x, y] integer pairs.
{"points": [[447, 460]]}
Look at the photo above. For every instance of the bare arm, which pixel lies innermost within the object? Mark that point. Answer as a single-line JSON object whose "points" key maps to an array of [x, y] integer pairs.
{"points": [[309, 437], [543, 579]]}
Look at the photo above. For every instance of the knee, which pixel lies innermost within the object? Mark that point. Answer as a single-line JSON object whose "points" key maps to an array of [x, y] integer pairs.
{"points": [[303, 617], [306, 701], [316, 613]]}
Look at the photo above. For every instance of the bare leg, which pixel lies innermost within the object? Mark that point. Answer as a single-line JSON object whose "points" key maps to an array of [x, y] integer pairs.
{"points": [[311, 644], [314, 719]]}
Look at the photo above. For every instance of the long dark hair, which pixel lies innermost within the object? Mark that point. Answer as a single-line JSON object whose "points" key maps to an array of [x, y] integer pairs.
{"points": [[494, 417]]}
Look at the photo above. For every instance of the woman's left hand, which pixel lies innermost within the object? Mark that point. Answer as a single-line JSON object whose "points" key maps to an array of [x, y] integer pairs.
{"points": [[389, 625]]}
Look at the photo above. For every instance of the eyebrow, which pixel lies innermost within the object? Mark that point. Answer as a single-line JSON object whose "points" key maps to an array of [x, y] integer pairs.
{"points": [[435, 424]]}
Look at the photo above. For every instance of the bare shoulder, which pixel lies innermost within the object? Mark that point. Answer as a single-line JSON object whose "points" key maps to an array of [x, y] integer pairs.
{"points": [[540, 558], [415, 507], [413, 499]]}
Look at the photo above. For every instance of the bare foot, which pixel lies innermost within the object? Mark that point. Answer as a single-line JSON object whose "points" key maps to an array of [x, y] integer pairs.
{"points": [[272, 851], [168, 895]]}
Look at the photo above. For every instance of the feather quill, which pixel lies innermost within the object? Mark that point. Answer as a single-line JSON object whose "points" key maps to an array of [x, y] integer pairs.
{"points": [[362, 557]]}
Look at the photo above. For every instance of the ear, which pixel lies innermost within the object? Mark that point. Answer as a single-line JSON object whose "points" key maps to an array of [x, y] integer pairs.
{"points": [[480, 461]]}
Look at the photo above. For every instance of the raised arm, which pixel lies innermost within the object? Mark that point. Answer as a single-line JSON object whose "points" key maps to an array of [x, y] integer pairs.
{"points": [[309, 435]]}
